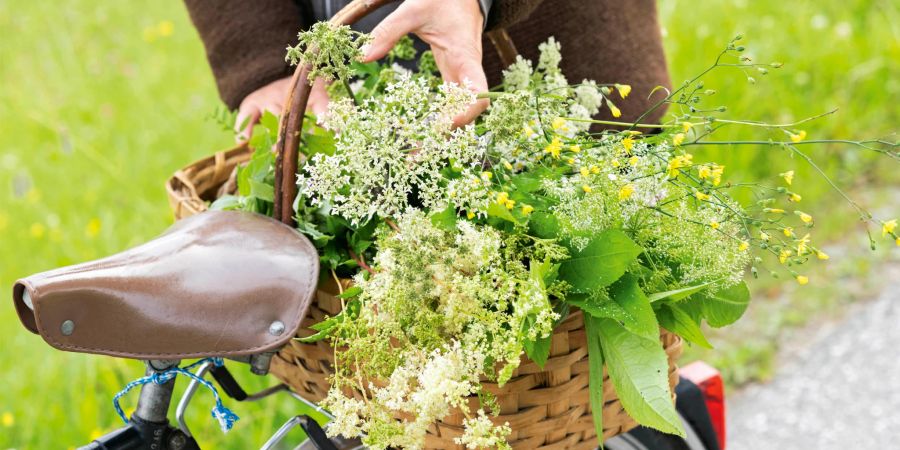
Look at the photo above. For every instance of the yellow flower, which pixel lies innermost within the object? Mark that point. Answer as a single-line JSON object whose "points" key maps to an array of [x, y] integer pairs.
{"points": [[701, 195], [575, 148], [507, 165], [717, 172], [822, 255], [554, 147], [502, 197], [527, 209], [595, 170], [470, 215], [784, 255], [93, 228], [774, 210], [888, 227], [686, 126], [788, 177], [898, 242], [614, 110], [788, 231], [165, 28], [633, 161], [795, 197], [628, 143], [714, 225], [806, 218], [625, 192], [510, 204], [615, 163], [624, 89], [585, 171], [559, 124], [802, 280], [679, 162], [764, 236], [802, 244], [743, 246], [570, 160], [7, 419], [704, 172], [529, 132], [37, 230], [799, 136], [678, 139], [586, 188], [486, 176]]}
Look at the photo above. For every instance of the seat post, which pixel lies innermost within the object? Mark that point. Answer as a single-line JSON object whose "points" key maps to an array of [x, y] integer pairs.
{"points": [[153, 403]]}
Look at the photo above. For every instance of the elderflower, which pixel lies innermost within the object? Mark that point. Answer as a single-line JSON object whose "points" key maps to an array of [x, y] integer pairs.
{"points": [[480, 433]]}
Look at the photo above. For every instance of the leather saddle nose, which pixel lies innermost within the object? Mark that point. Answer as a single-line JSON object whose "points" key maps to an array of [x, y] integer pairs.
{"points": [[220, 283]]}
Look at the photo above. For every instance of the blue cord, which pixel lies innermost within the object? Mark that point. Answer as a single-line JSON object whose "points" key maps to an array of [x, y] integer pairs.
{"points": [[223, 415]]}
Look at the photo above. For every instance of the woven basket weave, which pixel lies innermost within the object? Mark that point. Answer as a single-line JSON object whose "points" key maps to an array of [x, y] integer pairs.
{"points": [[546, 408]]}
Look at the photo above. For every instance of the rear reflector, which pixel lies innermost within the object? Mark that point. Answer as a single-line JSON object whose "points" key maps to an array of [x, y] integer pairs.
{"points": [[708, 379]]}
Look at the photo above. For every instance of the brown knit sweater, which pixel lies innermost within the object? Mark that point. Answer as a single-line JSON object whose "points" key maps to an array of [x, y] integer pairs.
{"points": [[609, 41]]}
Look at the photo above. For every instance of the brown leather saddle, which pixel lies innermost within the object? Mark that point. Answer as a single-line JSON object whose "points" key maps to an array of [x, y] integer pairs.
{"points": [[218, 284]]}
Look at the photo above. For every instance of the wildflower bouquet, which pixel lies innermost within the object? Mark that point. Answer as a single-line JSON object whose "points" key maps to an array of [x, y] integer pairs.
{"points": [[468, 245]]}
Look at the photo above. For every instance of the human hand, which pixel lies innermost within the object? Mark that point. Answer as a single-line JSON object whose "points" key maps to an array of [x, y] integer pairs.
{"points": [[452, 28], [271, 98]]}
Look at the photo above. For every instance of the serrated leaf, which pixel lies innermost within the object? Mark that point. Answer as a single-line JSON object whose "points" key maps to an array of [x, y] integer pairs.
{"points": [[639, 370], [676, 320], [678, 294], [639, 316], [538, 350], [595, 373], [723, 307], [446, 219], [543, 225], [601, 263], [501, 212]]}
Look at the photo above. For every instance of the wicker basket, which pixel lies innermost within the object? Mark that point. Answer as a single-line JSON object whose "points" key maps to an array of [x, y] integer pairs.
{"points": [[546, 408]]}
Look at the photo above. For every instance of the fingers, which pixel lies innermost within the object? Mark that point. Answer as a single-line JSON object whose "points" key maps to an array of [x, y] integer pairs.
{"points": [[396, 25], [318, 98], [243, 126], [464, 68]]}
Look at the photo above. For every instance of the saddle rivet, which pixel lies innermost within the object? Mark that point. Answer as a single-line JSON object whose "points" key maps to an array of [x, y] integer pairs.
{"points": [[67, 328], [276, 328]]}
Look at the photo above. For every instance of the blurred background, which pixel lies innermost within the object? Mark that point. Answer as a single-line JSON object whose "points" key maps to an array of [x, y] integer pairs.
{"points": [[101, 101]]}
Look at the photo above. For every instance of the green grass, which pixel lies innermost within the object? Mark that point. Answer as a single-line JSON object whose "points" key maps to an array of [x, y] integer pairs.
{"points": [[98, 110]]}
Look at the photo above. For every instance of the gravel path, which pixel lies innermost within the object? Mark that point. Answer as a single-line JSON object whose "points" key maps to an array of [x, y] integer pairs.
{"points": [[840, 389]]}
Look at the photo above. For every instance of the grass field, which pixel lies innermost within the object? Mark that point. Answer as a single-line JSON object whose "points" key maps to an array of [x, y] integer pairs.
{"points": [[101, 101]]}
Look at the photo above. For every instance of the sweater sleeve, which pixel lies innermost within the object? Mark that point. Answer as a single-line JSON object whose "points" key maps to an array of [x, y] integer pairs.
{"points": [[505, 13], [245, 41]]}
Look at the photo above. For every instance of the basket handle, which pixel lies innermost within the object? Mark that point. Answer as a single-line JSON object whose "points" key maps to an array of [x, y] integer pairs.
{"points": [[291, 123]]}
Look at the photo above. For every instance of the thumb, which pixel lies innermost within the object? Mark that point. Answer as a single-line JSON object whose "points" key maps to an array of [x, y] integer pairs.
{"points": [[389, 31]]}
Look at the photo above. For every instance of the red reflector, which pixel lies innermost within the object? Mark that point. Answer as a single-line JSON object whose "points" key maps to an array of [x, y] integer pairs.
{"points": [[708, 379]]}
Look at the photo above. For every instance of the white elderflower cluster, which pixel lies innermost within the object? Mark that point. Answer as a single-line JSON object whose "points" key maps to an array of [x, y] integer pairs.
{"points": [[392, 150], [481, 433], [442, 309]]}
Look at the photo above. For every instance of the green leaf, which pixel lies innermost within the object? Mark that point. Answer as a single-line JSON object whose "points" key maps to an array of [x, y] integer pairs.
{"points": [[601, 263], [539, 350], [351, 292], [639, 316], [639, 370], [676, 320], [501, 212], [543, 225], [226, 203], [262, 190], [723, 307], [595, 373], [446, 219], [678, 294]]}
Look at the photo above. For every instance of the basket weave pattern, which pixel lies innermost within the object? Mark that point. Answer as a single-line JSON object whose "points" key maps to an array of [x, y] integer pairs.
{"points": [[546, 408]]}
